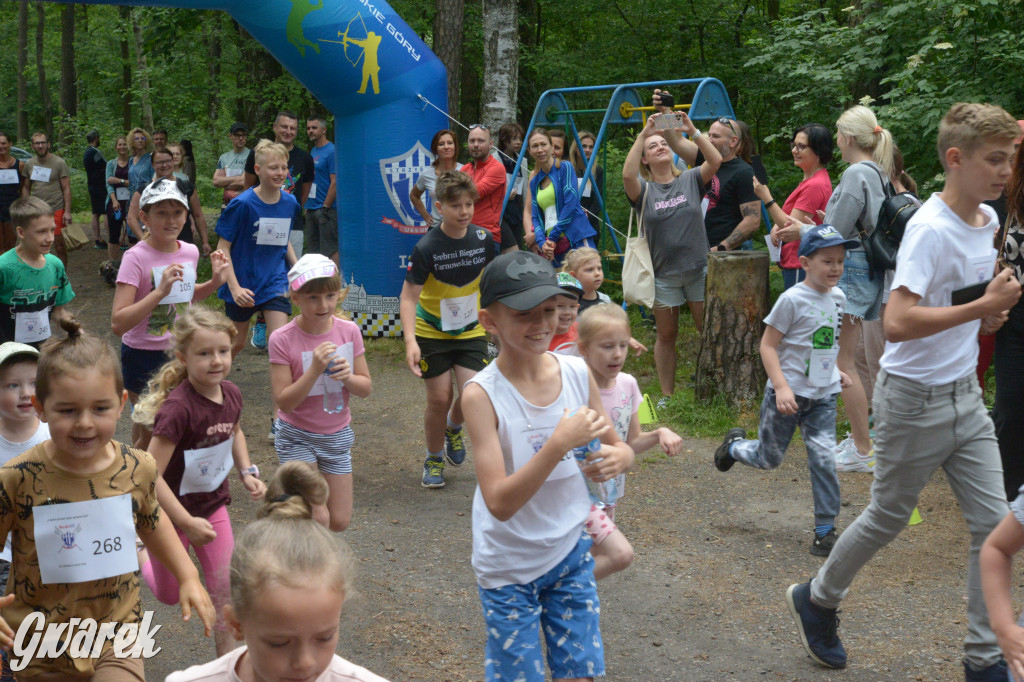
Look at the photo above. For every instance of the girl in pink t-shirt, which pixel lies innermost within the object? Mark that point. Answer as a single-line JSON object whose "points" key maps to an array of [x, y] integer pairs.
{"points": [[603, 341], [155, 277], [316, 363]]}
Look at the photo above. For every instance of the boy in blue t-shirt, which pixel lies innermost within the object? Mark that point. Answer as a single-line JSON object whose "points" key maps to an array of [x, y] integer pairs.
{"points": [[799, 349]]}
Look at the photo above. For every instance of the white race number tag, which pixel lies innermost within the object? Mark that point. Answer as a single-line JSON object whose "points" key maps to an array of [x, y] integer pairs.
{"points": [[312, 191], [232, 172], [980, 268], [32, 327], [8, 176], [342, 351], [273, 231], [206, 468], [40, 174], [122, 194], [823, 371], [81, 541], [550, 218], [458, 312], [183, 290]]}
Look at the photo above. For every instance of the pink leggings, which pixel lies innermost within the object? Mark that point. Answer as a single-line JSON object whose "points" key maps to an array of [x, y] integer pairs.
{"points": [[214, 557]]}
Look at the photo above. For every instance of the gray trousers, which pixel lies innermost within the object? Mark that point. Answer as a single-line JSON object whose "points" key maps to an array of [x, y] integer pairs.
{"points": [[919, 429]]}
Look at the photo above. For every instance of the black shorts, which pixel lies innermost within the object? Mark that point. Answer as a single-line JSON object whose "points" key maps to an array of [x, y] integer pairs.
{"points": [[437, 356], [239, 314], [510, 238], [98, 199], [138, 366]]}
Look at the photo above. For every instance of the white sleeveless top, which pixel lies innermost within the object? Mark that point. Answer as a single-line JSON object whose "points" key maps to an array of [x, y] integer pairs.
{"points": [[546, 528]]}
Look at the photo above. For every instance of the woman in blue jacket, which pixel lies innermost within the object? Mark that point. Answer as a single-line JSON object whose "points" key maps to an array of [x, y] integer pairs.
{"points": [[559, 223]]}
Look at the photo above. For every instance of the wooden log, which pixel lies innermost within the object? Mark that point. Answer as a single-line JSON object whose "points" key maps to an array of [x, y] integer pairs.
{"points": [[735, 305]]}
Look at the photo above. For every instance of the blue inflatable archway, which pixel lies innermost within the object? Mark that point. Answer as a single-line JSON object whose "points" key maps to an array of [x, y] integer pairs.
{"points": [[361, 60]]}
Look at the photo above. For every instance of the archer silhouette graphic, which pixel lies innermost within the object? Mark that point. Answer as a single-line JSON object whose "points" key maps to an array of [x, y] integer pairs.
{"points": [[370, 45], [293, 29]]}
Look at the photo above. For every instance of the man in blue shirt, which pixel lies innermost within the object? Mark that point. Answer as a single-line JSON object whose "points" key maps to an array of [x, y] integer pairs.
{"points": [[321, 207]]}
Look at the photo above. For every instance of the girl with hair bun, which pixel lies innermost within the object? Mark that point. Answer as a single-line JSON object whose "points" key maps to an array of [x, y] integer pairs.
{"points": [[193, 412], [290, 577]]}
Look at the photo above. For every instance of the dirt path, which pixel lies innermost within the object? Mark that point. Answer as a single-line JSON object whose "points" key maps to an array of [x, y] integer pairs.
{"points": [[704, 600]]}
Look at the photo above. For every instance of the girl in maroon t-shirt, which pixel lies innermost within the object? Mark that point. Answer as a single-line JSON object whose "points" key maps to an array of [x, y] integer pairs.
{"points": [[194, 415]]}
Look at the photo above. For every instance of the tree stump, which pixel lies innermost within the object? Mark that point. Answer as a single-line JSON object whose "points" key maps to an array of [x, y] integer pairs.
{"points": [[735, 305]]}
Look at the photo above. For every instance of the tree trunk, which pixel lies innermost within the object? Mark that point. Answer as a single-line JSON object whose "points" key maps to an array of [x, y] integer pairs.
{"points": [[125, 14], [501, 61], [68, 79], [735, 305], [212, 42], [448, 47], [22, 65], [140, 64], [44, 91], [261, 68]]}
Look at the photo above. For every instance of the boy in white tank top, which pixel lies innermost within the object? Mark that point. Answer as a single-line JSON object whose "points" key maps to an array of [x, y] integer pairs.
{"points": [[526, 412]]}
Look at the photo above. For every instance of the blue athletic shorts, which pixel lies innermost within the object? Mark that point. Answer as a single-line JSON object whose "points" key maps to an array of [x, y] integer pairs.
{"points": [[239, 314]]}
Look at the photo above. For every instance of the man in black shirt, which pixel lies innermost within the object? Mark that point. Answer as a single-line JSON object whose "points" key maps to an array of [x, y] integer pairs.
{"points": [[95, 176], [734, 211]]}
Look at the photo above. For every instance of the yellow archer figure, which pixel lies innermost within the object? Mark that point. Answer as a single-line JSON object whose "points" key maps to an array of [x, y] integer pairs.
{"points": [[370, 45]]}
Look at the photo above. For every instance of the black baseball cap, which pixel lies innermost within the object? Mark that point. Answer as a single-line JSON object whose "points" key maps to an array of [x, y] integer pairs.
{"points": [[521, 280], [238, 125]]}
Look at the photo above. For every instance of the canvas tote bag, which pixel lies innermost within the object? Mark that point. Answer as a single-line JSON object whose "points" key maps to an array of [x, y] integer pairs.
{"points": [[637, 266]]}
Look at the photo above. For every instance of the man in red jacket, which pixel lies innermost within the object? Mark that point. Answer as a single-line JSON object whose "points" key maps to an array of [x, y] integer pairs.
{"points": [[488, 175]]}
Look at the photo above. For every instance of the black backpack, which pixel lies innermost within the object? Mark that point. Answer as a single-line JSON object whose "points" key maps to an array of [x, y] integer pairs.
{"points": [[896, 210]]}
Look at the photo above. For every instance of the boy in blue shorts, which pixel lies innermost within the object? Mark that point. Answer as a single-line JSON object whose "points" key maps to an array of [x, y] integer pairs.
{"points": [[799, 349], [929, 411], [530, 555]]}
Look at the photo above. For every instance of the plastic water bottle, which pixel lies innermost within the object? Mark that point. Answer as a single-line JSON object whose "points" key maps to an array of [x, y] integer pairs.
{"points": [[117, 215], [334, 399], [605, 492]]}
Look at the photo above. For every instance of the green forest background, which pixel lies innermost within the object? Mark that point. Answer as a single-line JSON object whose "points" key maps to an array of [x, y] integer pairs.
{"points": [[784, 64]]}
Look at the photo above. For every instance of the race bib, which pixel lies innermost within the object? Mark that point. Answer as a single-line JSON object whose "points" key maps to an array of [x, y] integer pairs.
{"points": [[273, 231], [517, 186], [342, 351], [586, 190], [206, 468], [458, 312], [40, 174], [980, 268], [823, 371], [32, 327], [83, 541], [8, 176], [182, 291], [550, 218], [530, 439], [122, 194], [232, 172], [312, 191]]}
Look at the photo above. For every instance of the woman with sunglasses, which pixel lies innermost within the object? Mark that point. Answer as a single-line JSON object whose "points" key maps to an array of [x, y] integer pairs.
{"points": [[140, 171], [163, 166], [811, 146]]}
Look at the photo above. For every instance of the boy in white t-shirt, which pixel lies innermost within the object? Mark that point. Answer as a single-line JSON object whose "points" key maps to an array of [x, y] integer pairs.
{"points": [[526, 412], [929, 411], [799, 349]]}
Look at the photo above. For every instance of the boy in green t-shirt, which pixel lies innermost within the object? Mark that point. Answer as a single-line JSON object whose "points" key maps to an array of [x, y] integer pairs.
{"points": [[34, 285], [438, 310]]}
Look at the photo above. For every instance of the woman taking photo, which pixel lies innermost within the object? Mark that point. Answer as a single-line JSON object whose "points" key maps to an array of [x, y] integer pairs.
{"points": [[118, 196], [811, 146], [445, 148], [10, 189], [579, 156], [558, 221], [674, 223], [163, 165]]}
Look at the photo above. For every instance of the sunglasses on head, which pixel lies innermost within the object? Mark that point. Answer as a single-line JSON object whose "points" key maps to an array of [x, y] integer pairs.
{"points": [[726, 122], [479, 125]]}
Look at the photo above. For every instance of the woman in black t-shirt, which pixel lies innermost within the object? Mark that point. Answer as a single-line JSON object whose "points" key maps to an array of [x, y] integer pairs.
{"points": [[163, 167]]}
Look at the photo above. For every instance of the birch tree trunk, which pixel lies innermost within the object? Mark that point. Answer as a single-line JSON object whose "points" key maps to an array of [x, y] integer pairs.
{"points": [[735, 305], [448, 47], [140, 65], [44, 92], [501, 61], [68, 79], [22, 65], [125, 14]]}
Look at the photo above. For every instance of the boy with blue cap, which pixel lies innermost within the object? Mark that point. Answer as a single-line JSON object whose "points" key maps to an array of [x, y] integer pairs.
{"points": [[799, 349]]}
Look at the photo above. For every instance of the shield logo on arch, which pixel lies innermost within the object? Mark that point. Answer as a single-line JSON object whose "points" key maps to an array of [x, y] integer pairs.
{"points": [[400, 174]]}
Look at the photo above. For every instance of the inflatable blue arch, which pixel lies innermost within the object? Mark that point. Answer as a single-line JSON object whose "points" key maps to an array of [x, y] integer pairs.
{"points": [[365, 65]]}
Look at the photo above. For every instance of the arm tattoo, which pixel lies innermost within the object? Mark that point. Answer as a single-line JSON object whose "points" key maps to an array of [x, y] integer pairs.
{"points": [[748, 210], [735, 239]]}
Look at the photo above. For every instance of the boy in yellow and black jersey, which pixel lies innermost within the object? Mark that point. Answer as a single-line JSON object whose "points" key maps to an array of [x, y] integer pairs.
{"points": [[438, 307]]}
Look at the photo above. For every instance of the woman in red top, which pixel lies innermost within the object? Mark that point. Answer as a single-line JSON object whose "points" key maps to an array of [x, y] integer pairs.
{"points": [[812, 150]]}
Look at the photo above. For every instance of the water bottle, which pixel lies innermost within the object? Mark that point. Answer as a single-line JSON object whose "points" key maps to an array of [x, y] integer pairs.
{"points": [[117, 215], [601, 494], [334, 399]]}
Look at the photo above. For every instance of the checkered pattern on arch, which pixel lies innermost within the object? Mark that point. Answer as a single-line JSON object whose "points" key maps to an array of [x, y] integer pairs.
{"points": [[378, 324]]}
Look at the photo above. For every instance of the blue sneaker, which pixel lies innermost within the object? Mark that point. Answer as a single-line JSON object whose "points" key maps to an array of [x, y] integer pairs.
{"points": [[454, 448], [997, 672], [818, 627], [433, 473], [259, 335]]}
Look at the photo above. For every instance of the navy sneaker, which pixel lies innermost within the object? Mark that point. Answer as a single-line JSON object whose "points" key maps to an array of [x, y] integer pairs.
{"points": [[454, 448], [997, 672], [433, 473], [823, 544], [818, 627], [723, 460]]}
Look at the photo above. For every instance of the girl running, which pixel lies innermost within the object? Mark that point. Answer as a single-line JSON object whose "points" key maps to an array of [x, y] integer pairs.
{"points": [[193, 412], [316, 362]]}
